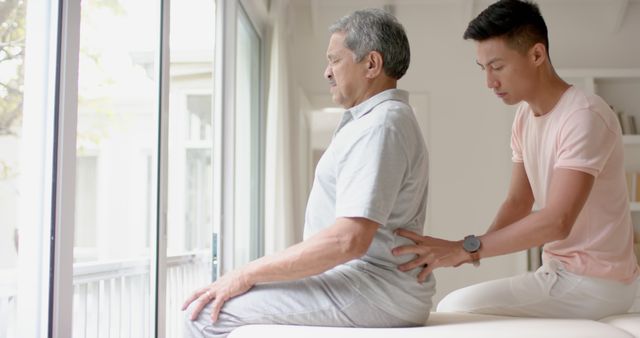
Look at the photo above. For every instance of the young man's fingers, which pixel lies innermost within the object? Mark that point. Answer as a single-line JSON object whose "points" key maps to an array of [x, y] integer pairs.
{"points": [[422, 276], [420, 261], [409, 234], [407, 250]]}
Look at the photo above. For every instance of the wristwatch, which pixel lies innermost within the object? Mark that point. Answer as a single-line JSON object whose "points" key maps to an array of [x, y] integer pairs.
{"points": [[471, 245]]}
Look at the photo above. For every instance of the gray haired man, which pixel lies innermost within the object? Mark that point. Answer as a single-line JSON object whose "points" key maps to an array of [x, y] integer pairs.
{"points": [[371, 180]]}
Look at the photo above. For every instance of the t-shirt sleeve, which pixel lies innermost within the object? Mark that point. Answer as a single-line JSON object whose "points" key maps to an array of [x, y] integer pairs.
{"points": [[370, 175], [516, 138], [585, 143]]}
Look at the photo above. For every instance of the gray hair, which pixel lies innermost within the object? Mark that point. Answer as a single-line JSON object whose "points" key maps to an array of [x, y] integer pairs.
{"points": [[377, 30]]}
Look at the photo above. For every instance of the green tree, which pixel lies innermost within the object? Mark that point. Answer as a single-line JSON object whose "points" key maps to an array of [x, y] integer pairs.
{"points": [[12, 37]]}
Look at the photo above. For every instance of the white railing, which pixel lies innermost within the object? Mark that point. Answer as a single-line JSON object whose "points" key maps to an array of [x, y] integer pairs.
{"points": [[8, 291], [112, 299], [185, 273]]}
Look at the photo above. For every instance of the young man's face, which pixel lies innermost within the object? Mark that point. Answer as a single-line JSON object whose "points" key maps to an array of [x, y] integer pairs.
{"points": [[346, 77], [509, 73]]}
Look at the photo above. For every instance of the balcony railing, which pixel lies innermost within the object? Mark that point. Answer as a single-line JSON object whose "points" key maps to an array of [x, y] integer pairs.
{"points": [[8, 289], [185, 273], [112, 299]]}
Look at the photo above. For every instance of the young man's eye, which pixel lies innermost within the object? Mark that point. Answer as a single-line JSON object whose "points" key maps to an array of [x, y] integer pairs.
{"points": [[497, 67]]}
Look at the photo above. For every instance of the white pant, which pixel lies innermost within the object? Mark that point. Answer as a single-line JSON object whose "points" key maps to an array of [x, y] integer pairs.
{"points": [[551, 291]]}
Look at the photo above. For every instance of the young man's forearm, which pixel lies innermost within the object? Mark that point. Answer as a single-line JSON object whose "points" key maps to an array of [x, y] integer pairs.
{"points": [[340, 243], [568, 193], [533, 230], [519, 200], [509, 213]]}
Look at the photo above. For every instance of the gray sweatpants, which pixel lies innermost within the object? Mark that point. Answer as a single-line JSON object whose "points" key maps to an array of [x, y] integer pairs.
{"points": [[328, 299]]}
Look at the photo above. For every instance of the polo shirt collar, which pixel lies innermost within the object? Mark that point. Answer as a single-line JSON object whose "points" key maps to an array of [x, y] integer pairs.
{"points": [[390, 94]]}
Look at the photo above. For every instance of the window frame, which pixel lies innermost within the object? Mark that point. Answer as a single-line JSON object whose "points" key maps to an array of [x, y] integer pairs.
{"points": [[59, 40], [64, 161], [65, 108], [224, 124], [257, 220]]}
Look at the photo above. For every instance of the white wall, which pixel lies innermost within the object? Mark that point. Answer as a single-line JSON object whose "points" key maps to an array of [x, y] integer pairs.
{"points": [[468, 129]]}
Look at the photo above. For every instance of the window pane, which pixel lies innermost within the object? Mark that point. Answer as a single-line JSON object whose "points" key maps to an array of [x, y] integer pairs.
{"points": [[247, 222], [26, 164], [116, 168], [189, 217], [12, 42]]}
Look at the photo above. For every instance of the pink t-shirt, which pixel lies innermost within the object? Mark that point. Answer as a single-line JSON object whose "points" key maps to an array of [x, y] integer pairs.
{"points": [[581, 133]]}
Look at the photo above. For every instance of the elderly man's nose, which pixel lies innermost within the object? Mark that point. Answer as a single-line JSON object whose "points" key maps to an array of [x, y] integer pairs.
{"points": [[328, 74]]}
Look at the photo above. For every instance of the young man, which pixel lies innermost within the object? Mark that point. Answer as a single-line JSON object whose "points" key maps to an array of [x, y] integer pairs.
{"points": [[371, 180], [568, 160]]}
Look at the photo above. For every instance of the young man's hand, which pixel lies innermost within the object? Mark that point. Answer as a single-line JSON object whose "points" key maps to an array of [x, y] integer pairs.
{"points": [[431, 253]]}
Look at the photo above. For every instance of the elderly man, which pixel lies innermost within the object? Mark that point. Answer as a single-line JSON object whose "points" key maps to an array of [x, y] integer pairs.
{"points": [[371, 180]]}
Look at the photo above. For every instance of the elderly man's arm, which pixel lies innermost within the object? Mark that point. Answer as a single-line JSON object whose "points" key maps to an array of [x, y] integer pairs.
{"points": [[348, 238]]}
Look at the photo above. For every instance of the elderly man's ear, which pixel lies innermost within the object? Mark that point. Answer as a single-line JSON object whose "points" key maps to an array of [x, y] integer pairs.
{"points": [[374, 64]]}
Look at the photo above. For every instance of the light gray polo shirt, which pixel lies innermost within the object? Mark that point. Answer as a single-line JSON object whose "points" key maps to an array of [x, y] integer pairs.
{"points": [[376, 167]]}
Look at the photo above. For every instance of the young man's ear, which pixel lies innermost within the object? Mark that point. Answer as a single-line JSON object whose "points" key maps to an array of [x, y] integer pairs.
{"points": [[538, 53], [374, 64]]}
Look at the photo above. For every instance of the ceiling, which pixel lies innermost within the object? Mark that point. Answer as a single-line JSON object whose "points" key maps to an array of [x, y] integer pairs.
{"points": [[583, 34], [605, 13]]}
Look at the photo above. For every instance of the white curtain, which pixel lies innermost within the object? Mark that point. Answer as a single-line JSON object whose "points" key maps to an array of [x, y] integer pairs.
{"points": [[279, 227]]}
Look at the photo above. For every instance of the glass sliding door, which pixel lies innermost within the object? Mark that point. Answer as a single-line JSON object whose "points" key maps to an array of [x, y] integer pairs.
{"points": [[26, 162], [247, 225], [116, 169], [110, 260], [190, 186], [12, 55]]}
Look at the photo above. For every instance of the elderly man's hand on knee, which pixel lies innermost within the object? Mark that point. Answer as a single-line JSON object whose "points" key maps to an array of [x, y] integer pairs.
{"points": [[228, 286]]}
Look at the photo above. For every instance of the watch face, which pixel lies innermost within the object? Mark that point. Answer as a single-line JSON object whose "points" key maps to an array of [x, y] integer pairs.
{"points": [[471, 244]]}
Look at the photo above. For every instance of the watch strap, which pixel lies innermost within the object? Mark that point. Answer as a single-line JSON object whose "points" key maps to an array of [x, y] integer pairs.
{"points": [[475, 258]]}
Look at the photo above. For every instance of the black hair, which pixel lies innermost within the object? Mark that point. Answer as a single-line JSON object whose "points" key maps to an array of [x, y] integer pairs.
{"points": [[518, 22]]}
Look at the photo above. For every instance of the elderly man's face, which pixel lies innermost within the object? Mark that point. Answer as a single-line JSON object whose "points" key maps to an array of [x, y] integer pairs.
{"points": [[347, 79]]}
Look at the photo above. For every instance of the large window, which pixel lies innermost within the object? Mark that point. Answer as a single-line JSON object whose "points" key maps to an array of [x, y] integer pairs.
{"points": [[116, 166], [26, 171], [12, 53], [110, 191]]}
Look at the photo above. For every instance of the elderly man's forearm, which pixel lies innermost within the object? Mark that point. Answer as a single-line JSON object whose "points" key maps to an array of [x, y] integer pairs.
{"points": [[333, 246]]}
